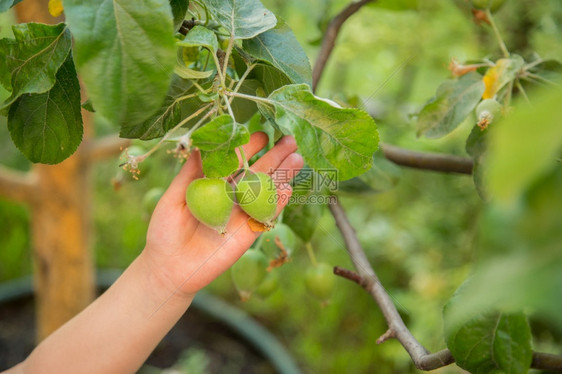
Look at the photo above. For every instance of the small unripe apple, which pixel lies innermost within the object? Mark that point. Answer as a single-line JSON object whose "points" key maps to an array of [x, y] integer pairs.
{"points": [[249, 272], [257, 196], [269, 285], [210, 200], [285, 235], [320, 281]]}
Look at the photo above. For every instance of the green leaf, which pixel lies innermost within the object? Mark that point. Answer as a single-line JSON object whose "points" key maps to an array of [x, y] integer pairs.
{"points": [[454, 101], [125, 53], [242, 18], [217, 141], [88, 106], [7, 48], [303, 211], [7, 4], [200, 36], [34, 58], [525, 145], [47, 127], [244, 109], [280, 48], [179, 9], [383, 176], [492, 342], [169, 114], [270, 77], [187, 73], [476, 146], [519, 254], [329, 137]]}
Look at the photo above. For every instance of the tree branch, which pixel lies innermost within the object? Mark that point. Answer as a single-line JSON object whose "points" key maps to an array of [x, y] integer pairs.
{"points": [[330, 37], [546, 361], [17, 185], [370, 282], [427, 161], [367, 278], [105, 147]]}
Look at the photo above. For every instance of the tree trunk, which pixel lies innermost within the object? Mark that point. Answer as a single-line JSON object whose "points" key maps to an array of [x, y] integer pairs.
{"points": [[64, 271]]}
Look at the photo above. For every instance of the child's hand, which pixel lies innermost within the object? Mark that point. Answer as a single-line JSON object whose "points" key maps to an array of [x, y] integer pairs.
{"points": [[185, 255]]}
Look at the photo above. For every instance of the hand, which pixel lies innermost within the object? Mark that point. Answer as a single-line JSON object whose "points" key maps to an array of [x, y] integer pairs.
{"points": [[183, 254]]}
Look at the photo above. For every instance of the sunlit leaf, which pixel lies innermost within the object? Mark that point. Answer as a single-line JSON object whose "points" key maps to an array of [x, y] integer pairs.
{"points": [[55, 7], [504, 71]]}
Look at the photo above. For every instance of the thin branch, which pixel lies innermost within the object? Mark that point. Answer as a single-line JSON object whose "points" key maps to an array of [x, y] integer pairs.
{"points": [[366, 278], [420, 356], [17, 185], [546, 361], [427, 161], [330, 37], [105, 147]]}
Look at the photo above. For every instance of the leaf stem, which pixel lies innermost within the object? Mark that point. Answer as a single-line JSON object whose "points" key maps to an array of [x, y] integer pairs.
{"points": [[311, 255], [499, 39], [226, 58], [244, 158], [175, 128], [217, 63], [256, 99], [522, 90], [228, 107]]}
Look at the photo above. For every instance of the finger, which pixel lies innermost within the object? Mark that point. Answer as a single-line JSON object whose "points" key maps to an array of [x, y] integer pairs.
{"points": [[288, 169], [275, 156], [258, 141], [190, 171]]}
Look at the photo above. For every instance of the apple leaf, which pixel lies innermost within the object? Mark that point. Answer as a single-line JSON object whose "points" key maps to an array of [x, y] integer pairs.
{"points": [[242, 18], [329, 137], [217, 141], [125, 52], [454, 101], [272, 46], [33, 58], [47, 127]]}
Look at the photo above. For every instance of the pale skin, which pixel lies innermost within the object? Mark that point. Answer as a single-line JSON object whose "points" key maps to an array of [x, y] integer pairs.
{"points": [[118, 331]]}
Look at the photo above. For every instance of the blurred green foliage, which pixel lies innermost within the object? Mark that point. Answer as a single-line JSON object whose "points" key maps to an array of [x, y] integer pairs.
{"points": [[419, 236]]}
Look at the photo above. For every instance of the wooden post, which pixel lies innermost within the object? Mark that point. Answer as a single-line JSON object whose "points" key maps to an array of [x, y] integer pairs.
{"points": [[64, 270]]}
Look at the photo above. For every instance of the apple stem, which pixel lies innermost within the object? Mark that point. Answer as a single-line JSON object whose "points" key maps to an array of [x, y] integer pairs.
{"points": [[311, 255]]}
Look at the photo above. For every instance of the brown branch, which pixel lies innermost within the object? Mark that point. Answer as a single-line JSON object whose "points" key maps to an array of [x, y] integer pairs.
{"points": [[546, 361], [330, 37], [105, 147], [17, 185], [366, 278], [427, 161]]}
